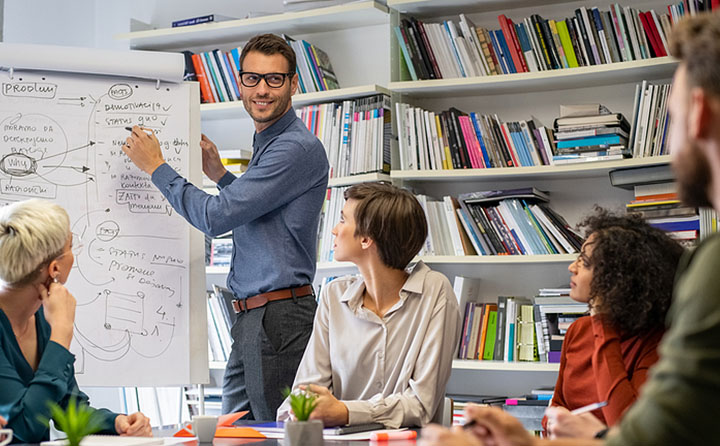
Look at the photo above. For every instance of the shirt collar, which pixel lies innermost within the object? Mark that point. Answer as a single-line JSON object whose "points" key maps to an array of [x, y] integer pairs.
{"points": [[279, 126], [413, 285]]}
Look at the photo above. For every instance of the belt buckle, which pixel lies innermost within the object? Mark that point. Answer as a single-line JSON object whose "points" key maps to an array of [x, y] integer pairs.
{"points": [[240, 306]]}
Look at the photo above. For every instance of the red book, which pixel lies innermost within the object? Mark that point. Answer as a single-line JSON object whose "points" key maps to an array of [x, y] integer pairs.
{"points": [[513, 45], [202, 78], [652, 33], [516, 42], [510, 145]]}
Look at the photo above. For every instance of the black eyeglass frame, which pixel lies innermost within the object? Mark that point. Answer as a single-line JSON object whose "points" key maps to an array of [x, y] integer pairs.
{"points": [[264, 77]]}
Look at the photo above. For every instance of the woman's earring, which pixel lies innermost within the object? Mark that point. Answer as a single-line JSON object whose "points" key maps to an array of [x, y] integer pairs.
{"points": [[55, 279]]}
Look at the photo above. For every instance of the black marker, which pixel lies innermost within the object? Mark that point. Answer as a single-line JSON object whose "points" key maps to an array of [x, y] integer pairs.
{"points": [[129, 129]]}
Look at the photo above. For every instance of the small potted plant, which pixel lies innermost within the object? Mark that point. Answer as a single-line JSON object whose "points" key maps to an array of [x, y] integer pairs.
{"points": [[77, 421], [302, 431]]}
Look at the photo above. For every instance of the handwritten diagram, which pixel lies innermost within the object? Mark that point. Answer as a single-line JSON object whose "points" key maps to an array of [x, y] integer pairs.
{"points": [[60, 139]]}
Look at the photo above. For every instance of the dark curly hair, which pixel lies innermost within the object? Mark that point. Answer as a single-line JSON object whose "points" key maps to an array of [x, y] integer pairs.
{"points": [[633, 266]]}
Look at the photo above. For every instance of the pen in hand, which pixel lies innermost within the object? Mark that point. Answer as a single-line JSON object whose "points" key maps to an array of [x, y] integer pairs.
{"points": [[588, 408]]}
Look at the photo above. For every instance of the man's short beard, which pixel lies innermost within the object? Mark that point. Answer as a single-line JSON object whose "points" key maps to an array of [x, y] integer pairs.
{"points": [[693, 176]]}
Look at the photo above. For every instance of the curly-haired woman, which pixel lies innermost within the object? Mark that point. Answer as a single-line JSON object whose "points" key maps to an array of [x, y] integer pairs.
{"points": [[625, 273]]}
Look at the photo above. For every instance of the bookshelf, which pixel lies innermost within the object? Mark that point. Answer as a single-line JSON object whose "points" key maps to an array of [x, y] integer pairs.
{"points": [[563, 79], [333, 18], [372, 65], [236, 110]]}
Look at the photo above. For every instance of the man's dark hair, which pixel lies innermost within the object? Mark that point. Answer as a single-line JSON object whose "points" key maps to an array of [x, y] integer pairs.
{"points": [[633, 267], [269, 44], [393, 218]]}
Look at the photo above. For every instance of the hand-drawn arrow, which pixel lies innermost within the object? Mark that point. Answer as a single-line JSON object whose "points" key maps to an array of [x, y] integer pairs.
{"points": [[91, 143], [82, 169]]}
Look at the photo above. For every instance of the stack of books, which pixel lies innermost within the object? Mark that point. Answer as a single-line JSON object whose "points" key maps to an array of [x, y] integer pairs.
{"points": [[555, 312], [589, 37], [453, 139], [660, 206], [592, 135], [315, 72], [650, 120], [356, 133]]}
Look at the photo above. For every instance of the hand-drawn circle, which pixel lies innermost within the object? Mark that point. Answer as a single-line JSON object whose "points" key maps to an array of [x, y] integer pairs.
{"points": [[120, 91], [107, 230], [36, 136], [18, 165]]}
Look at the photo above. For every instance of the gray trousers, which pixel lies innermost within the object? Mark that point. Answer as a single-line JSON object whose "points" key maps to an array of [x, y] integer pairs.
{"points": [[268, 344]]}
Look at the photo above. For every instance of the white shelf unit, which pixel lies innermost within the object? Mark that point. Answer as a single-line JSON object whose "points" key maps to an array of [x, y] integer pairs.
{"points": [[236, 110], [333, 18], [563, 79], [574, 188], [580, 170], [372, 64]]}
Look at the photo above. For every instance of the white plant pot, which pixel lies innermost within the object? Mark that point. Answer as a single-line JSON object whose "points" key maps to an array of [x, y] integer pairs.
{"points": [[303, 433]]}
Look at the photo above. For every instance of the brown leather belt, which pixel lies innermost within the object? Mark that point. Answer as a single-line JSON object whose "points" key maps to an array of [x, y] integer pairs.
{"points": [[260, 300]]}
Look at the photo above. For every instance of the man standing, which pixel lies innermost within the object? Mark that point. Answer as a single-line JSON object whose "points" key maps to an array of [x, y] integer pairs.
{"points": [[680, 403], [273, 210]]}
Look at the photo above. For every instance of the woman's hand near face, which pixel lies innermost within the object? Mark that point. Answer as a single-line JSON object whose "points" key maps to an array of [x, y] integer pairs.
{"points": [[59, 309]]}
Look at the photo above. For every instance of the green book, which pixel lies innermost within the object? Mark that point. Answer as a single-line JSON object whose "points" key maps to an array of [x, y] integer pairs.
{"points": [[489, 349], [566, 43]]}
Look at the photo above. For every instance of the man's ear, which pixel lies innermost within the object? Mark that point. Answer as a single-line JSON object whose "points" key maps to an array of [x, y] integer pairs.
{"points": [[701, 114], [294, 84]]}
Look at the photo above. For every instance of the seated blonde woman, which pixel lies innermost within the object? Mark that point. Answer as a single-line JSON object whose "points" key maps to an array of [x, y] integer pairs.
{"points": [[382, 344], [37, 314]]}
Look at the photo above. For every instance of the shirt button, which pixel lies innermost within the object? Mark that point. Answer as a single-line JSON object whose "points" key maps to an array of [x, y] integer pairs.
{"points": [[380, 355]]}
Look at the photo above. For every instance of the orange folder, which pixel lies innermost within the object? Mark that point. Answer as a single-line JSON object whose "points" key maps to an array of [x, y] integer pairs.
{"points": [[225, 428]]}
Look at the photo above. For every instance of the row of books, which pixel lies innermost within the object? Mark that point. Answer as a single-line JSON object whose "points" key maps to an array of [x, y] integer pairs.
{"points": [[650, 120], [514, 222], [356, 133], [590, 37], [315, 72], [514, 328], [453, 139], [220, 316], [216, 71], [329, 217]]}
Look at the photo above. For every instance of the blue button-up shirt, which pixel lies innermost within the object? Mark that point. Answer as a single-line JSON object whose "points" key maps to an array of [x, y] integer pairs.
{"points": [[273, 209]]}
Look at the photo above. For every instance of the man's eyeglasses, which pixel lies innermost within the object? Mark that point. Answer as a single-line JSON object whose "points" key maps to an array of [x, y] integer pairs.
{"points": [[273, 80]]}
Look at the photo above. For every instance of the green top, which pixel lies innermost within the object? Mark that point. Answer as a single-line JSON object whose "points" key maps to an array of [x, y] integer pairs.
{"points": [[680, 402], [24, 393]]}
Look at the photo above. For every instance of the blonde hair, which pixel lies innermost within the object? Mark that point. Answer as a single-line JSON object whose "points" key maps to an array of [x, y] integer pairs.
{"points": [[32, 233]]}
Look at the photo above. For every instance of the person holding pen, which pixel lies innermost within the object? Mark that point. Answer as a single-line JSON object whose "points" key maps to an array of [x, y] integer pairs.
{"points": [[382, 343], [622, 272], [680, 402], [37, 314], [273, 211]]}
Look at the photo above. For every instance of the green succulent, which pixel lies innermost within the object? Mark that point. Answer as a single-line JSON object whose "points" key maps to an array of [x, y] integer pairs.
{"points": [[77, 420], [302, 403]]}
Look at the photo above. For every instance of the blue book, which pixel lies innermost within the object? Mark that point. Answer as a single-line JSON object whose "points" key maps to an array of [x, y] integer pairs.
{"points": [[478, 132], [511, 342], [498, 52], [200, 19], [519, 149], [600, 140], [538, 227], [406, 53], [683, 225], [523, 37], [471, 232], [531, 235], [454, 49], [522, 142], [528, 144], [506, 51], [233, 75], [236, 57]]}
